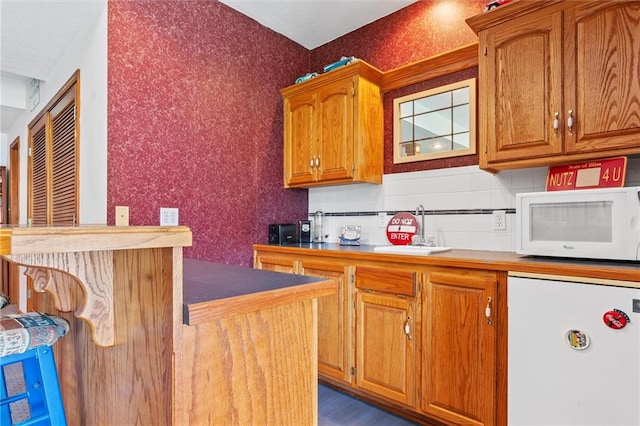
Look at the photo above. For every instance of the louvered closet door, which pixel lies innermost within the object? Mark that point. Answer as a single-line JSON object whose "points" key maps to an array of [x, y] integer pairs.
{"points": [[53, 165], [64, 171], [38, 169]]}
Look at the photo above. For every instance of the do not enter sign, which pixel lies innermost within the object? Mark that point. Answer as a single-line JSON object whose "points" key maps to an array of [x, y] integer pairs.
{"points": [[401, 229]]}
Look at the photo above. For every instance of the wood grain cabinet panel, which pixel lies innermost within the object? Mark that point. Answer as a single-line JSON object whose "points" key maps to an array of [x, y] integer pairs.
{"points": [[335, 312], [605, 72], [521, 80], [333, 128], [460, 341], [335, 320], [386, 348], [421, 342], [559, 82], [386, 333]]}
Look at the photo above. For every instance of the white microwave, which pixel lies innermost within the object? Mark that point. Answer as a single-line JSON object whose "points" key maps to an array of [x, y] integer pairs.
{"points": [[599, 223]]}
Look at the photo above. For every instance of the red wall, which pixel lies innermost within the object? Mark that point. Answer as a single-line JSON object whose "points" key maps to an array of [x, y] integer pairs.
{"points": [[195, 122], [418, 31], [195, 113]]}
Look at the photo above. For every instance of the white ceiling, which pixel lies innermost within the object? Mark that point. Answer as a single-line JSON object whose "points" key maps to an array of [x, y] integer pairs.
{"points": [[312, 23], [34, 33]]}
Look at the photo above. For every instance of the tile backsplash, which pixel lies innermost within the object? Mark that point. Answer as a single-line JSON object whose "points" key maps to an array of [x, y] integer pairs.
{"points": [[459, 203]]}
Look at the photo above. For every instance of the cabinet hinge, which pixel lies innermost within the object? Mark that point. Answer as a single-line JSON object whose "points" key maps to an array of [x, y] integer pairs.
{"points": [[353, 89], [486, 149], [30, 152], [352, 370], [486, 51]]}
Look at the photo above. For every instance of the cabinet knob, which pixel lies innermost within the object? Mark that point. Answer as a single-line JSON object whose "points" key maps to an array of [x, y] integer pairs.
{"points": [[311, 163], [570, 122], [556, 123], [487, 311], [407, 328], [318, 161]]}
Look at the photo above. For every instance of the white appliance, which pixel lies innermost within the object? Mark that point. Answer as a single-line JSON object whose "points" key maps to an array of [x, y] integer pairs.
{"points": [[566, 367], [591, 223]]}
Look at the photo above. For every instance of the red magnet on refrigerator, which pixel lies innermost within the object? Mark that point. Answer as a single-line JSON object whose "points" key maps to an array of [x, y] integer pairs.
{"points": [[615, 319]]}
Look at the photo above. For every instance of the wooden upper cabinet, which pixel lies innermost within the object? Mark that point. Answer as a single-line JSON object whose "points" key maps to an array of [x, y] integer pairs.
{"points": [[606, 75], [333, 128], [559, 82], [521, 84]]}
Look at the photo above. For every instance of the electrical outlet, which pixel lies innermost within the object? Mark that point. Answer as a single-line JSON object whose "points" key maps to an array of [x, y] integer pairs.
{"points": [[382, 219], [499, 220], [122, 216], [168, 216]]}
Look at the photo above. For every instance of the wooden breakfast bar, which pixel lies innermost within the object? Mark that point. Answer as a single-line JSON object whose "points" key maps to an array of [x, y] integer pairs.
{"points": [[161, 340]]}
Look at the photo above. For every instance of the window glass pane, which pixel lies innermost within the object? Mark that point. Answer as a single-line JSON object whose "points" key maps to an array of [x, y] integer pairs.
{"points": [[432, 103], [461, 118], [406, 130], [436, 145], [461, 96], [406, 109], [461, 141], [433, 124]]}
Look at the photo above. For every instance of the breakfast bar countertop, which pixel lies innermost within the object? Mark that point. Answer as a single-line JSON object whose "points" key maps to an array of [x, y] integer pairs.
{"points": [[213, 290]]}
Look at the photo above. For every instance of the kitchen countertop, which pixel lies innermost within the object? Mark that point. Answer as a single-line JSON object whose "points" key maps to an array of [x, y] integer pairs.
{"points": [[477, 259], [214, 290]]}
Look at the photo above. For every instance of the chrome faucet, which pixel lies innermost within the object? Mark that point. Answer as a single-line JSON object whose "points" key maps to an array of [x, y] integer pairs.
{"points": [[420, 241]]}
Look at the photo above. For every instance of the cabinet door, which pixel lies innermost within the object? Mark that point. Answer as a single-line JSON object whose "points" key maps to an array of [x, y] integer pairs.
{"points": [[459, 369], [520, 88], [274, 262], [335, 141], [386, 346], [300, 129], [606, 74], [386, 333], [335, 320]]}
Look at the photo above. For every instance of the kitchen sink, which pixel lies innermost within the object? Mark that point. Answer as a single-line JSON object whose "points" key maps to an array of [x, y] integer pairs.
{"points": [[415, 250]]}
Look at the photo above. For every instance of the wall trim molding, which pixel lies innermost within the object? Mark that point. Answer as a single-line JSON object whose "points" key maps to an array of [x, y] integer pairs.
{"points": [[435, 66]]}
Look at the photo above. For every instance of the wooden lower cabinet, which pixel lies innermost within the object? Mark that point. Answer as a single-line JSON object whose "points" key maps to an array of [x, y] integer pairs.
{"points": [[275, 263], [412, 338], [335, 315], [335, 319], [460, 340], [385, 330]]}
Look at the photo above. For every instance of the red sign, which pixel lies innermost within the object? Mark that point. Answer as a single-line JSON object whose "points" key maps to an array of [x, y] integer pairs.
{"points": [[606, 173], [401, 229]]}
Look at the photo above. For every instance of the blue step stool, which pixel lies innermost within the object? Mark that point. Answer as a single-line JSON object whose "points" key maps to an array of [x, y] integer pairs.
{"points": [[29, 388]]}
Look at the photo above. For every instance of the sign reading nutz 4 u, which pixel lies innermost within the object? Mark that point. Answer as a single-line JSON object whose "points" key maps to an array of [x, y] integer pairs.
{"points": [[607, 173]]}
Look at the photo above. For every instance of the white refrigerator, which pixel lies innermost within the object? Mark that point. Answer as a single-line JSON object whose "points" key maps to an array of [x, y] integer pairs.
{"points": [[574, 353]]}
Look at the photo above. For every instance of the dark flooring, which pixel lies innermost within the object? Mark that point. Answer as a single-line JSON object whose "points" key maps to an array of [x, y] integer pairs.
{"points": [[336, 408]]}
